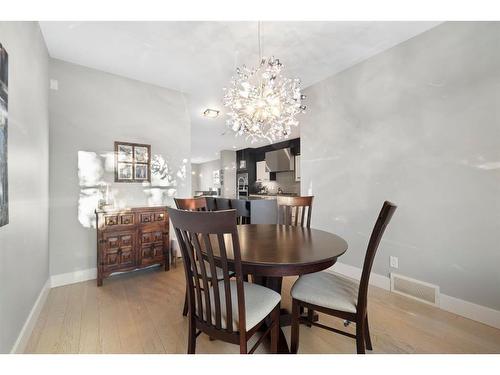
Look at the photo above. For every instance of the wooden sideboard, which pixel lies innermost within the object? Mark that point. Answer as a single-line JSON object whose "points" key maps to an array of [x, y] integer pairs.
{"points": [[131, 238]]}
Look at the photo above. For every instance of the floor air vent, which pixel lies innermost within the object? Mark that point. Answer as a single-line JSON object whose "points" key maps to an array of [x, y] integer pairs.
{"points": [[415, 289]]}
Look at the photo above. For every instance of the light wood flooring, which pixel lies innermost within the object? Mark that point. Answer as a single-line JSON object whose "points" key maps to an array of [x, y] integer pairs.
{"points": [[140, 312]]}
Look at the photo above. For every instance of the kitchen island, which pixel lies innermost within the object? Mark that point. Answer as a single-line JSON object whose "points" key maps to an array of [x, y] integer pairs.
{"points": [[254, 210]]}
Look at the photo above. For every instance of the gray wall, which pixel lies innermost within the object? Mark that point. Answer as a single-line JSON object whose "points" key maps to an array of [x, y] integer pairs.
{"points": [[419, 125], [195, 180], [228, 165], [24, 257], [89, 111], [205, 174]]}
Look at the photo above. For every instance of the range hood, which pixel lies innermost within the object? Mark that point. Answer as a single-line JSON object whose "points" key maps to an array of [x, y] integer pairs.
{"points": [[280, 160]]}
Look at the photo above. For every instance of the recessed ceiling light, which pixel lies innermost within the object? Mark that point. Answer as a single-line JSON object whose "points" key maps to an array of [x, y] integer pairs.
{"points": [[211, 113]]}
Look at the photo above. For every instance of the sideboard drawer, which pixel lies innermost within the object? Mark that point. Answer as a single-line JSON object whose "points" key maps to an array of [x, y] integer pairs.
{"points": [[111, 220], [147, 217], [160, 216], [127, 219]]}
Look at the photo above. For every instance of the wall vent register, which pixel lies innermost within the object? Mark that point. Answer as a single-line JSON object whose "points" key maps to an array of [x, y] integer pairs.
{"points": [[416, 289]]}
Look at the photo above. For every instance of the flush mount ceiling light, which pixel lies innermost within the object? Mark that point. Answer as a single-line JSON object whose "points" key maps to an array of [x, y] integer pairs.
{"points": [[262, 102], [211, 113]]}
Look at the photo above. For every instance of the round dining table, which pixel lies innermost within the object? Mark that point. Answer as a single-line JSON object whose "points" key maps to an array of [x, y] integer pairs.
{"points": [[269, 252]]}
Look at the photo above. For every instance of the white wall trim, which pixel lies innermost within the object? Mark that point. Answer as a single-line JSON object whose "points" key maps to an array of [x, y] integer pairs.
{"points": [[175, 246], [451, 304], [29, 324], [73, 277], [470, 310]]}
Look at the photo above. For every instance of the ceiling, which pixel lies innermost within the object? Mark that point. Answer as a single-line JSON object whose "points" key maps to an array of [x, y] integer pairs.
{"points": [[199, 58]]}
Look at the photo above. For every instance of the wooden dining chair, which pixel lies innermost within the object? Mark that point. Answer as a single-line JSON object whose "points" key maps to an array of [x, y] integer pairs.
{"points": [[222, 204], [295, 211], [228, 310], [290, 209], [191, 204], [194, 204], [338, 296], [242, 208]]}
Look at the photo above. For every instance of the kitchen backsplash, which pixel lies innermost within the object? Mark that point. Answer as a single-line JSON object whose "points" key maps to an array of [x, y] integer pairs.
{"points": [[285, 181]]}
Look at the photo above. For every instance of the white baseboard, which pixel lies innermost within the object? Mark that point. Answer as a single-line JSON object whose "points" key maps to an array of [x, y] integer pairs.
{"points": [[451, 304], [470, 310], [73, 277], [29, 324], [90, 273], [175, 247]]}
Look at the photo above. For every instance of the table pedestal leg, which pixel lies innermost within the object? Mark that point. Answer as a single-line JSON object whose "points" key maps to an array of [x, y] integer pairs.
{"points": [[275, 283]]}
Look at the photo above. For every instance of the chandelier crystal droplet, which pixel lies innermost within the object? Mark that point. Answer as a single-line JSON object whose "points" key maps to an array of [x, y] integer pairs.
{"points": [[262, 103]]}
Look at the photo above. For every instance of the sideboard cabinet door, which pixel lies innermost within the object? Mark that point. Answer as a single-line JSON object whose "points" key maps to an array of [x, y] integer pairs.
{"points": [[151, 245], [118, 250]]}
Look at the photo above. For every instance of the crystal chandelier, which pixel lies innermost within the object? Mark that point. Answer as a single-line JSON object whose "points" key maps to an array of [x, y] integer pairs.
{"points": [[262, 102]]}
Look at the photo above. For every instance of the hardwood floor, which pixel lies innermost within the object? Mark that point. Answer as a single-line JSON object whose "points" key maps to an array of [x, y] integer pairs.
{"points": [[140, 312]]}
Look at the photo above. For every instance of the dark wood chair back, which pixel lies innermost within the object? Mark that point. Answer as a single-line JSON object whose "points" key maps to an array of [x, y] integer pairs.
{"points": [[242, 208], [222, 204], [295, 211], [383, 219], [191, 204], [203, 236], [211, 204]]}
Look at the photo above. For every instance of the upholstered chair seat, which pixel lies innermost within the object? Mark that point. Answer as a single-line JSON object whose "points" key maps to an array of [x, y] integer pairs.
{"points": [[328, 290], [259, 303]]}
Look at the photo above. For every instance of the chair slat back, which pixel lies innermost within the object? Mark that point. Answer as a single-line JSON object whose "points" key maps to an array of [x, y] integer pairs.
{"points": [[203, 237], [223, 204], [242, 208], [295, 211], [191, 204], [383, 220]]}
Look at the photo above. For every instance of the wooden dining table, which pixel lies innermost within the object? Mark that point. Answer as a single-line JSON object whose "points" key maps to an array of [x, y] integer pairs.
{"points": [[269, 252]]}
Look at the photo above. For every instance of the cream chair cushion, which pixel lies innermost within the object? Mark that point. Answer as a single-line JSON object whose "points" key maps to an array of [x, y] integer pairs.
{"points": [[259, 302], [327, 290]]}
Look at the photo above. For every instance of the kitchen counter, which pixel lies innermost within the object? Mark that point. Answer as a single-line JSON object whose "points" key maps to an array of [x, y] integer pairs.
{"points": [[260, 210], [271, 195]]}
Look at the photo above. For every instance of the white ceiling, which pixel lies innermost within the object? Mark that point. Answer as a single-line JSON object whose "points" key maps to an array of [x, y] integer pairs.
{"points": [[199, 58]]}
